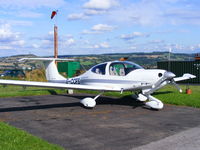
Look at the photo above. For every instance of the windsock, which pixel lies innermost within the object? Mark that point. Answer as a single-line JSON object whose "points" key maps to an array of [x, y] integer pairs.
{"points": [[53, 13]]}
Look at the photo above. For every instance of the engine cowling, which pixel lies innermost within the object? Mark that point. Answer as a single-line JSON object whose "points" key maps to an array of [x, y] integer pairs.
{"points": [[88, 102]]}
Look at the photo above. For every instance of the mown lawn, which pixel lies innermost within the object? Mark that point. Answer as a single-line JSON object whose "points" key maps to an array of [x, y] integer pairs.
{"points": [[15, 91], [12, 138], [170, 95]]}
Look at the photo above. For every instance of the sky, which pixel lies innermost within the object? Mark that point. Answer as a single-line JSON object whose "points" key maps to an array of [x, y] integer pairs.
{"points": [[99, 26]]}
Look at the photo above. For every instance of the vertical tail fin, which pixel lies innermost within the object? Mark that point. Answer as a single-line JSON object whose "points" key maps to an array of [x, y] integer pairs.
{"points": [[52, 74], [51, 71]]}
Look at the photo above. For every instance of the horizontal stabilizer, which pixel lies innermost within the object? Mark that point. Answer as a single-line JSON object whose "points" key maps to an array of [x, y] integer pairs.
{"points": [[46, 59]]}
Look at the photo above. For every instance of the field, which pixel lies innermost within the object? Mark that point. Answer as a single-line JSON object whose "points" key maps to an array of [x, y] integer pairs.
{"points": [[13, 91], [12, 138], [171, 95], [15, 139]]}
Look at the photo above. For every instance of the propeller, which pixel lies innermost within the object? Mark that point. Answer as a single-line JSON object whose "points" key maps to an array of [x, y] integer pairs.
{"points": [[170, 75], [167, 77]]}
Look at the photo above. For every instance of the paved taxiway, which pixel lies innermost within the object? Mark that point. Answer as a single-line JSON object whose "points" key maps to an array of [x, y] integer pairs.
{"points": [[113, 124]]}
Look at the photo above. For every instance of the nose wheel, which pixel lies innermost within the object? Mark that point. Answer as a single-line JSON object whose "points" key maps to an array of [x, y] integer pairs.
{"points": [[154, 103], [149, 101]]}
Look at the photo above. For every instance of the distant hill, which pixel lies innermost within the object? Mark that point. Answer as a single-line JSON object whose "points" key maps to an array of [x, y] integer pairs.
{"points": [[12, 62], [147, 60]]}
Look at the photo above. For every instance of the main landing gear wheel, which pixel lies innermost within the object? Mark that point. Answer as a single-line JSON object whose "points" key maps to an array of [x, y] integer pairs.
{"points": [[89, 102]]}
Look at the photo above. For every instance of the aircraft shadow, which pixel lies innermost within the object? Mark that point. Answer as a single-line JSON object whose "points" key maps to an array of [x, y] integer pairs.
{"points": [[36, 107], [163, 92], [126, 100], [103, 100]]}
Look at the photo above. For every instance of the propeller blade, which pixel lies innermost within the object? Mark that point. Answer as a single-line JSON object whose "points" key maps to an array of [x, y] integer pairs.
{"points": [[176, 85]]}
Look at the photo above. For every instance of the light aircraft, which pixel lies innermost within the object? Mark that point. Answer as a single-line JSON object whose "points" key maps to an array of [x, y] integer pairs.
{"points": [[116, 76]]}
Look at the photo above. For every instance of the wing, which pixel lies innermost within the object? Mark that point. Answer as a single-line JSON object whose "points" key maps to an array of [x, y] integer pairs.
{"points": [[186, 76], [58, 85], [136, 86]]}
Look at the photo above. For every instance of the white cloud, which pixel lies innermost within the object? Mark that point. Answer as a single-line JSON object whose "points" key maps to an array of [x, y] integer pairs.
{"points": [[18, 4], [93, 7], [90, 12], [35, 46], [18, 43], [140, 12], [156, 12], [95, 46], [50, 33], [157, 41], [6, 35], [29, 14], [134, 35], [98, 29], [47, 41], [10, 39], [69, 36], [90, 32], [100, 4], [70, 42], [101, 45], [104, 45], [183, 16], [16, 22], [102, 27], [76, 16], [133, 48]]}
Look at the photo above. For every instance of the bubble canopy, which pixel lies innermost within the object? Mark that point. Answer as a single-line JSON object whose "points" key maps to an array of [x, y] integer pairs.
{"points": [[115, 68]]}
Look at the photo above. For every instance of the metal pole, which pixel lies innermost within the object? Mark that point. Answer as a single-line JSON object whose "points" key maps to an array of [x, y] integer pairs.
{"points": [[169, 59], [55, 41]]}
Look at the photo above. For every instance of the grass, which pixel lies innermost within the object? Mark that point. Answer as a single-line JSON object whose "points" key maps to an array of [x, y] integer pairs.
{"points": [[12, 138], [15, 91], [170, 95]]}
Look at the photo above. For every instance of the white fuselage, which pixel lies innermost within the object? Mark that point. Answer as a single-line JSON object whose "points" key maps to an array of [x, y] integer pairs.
{"points": [[126, 81]]}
